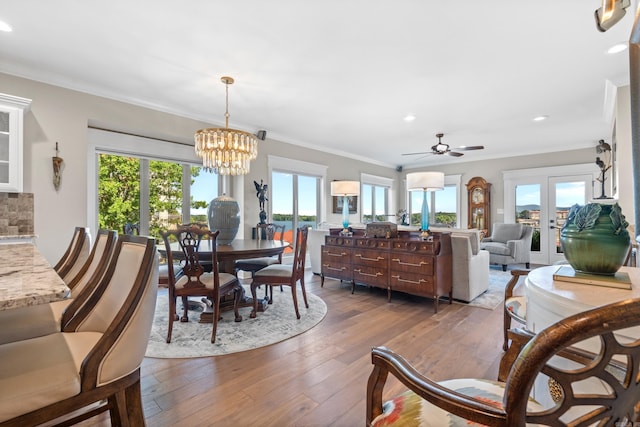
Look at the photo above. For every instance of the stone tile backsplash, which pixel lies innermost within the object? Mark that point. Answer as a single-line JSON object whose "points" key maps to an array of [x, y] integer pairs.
{"points": [[16, 214]]}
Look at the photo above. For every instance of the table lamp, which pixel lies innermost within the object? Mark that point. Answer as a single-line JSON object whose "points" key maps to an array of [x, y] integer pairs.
{"points": [[345, 189], [425, 181]]}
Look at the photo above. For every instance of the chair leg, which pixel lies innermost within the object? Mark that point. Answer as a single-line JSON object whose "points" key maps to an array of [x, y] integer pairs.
{"points": [[254, 295], [304, 292], [237, 296], [506, 327], [295, 300], [216, 313], [527, 265], [134, 404], [118, 409], [172, 317], [504, 267], [185, 310]]}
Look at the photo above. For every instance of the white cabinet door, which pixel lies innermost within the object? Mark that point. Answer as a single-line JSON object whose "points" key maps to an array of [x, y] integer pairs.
{"points": [[12, 110]]}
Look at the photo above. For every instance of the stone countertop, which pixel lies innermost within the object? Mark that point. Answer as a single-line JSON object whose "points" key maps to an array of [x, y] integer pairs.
{"points": [[26, 278], [17, 236]]}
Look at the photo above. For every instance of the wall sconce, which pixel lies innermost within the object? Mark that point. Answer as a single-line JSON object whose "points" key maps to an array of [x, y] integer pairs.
{"points": [[425, 181], [611, 12], [57, 169], [604, 165], [345, 189]]}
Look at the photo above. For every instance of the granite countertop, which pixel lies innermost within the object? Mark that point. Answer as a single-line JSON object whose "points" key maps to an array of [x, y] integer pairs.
{"points": [[26, 278], [17, 236]]}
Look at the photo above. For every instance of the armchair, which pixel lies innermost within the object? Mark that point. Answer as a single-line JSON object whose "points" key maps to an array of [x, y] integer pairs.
{"points": [[509, 244], [561, 352]]}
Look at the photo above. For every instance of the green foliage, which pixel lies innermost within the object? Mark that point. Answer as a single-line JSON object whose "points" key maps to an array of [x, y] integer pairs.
{"points": [[535, 240], [119, 193]]}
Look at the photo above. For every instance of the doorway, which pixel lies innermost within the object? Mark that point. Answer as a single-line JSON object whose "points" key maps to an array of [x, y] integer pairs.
{"points": [[541, 198]]}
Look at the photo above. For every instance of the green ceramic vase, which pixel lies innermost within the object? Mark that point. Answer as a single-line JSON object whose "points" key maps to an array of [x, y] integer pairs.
{"points": [[595, 239]]}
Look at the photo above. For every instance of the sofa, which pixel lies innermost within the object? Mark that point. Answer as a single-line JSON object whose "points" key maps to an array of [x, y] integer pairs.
{"points": [[470, 263], [509, 244]]}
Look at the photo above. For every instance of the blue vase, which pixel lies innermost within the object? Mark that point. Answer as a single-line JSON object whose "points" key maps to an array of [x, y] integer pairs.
{"points": [[224, 215]]}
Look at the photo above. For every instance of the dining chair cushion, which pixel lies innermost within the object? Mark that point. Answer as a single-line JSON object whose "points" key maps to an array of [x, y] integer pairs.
{"points": [[256, 262], [31, 321], [207, 280], [275, 270], [517, 308], [58, 358], [409, 409]]}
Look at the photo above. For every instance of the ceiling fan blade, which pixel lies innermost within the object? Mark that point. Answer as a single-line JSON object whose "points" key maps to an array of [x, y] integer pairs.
{"points": [[469, 147], [453, 154], [413, 154]]}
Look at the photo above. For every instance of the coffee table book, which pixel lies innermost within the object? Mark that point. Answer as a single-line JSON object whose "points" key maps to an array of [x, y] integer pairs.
{"points": [[620, 280]]}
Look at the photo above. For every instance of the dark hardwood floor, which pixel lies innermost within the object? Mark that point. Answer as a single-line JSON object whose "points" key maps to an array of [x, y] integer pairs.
{"points": [[319, 378]]}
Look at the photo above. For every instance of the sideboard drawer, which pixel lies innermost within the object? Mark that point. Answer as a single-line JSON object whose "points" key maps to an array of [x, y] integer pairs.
{"points": [[373, 243], [336, 262], [417, 246], [416, 284], [339, 241], [371, 276], [370, 258], [410, 263]]}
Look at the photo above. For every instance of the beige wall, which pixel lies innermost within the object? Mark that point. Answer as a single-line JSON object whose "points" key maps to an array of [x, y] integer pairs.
{"points": [[62, 115]]}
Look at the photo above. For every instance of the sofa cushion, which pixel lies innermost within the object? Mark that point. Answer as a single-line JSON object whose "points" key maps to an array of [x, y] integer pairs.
{"points": [[505, 232]]}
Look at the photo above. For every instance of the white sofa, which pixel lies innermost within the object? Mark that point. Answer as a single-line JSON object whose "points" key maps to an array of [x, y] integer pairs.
{"points": [[470, 263]]}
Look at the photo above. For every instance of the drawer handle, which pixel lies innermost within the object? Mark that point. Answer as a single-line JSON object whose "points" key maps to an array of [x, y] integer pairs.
{"points": [[409, 281], [367, 274], [341, 254], [333, 268], [369, 259], [408, 263]]}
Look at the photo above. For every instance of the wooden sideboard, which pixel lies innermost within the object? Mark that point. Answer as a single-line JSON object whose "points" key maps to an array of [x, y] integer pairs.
{"points": [[406, 264]]}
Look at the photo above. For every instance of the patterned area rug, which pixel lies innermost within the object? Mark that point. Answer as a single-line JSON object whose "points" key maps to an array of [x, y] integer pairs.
{"points": [[193, 339], [494, 296]]}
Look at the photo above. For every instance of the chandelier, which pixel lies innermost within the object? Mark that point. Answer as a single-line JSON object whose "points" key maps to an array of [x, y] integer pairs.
{"points": [[226, 151]]}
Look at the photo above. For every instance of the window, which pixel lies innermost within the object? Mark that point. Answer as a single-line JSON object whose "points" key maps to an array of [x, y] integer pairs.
{"points": [[147, 182], [444, 205], [149, 193], [375, 196], [302, 179]]}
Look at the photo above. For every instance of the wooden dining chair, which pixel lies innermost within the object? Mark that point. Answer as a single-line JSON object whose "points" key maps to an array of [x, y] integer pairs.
{"points": [[284, 274], [514, 306], [75, 255], [590, 361], [194, 280], [93, 365], [263, 232], [44, 319]]}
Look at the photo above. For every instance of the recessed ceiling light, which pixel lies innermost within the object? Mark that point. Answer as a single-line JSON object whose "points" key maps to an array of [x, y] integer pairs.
{"points": [[540, 118], [617, 48], [409, 118], [5, 27]]}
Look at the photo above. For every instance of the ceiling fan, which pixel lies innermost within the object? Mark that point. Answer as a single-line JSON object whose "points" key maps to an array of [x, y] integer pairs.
{"points": [[443, 149]]}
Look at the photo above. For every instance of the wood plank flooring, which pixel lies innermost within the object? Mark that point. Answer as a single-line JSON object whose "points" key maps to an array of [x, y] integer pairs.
{"points": [[319, 378]]}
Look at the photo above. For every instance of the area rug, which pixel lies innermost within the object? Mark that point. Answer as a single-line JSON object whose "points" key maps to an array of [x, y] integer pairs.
{"points": [[494, 296], [193, 339]]}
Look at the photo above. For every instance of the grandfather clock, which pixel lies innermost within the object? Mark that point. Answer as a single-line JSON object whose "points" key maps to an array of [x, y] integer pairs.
{"points": [[479, 203]]}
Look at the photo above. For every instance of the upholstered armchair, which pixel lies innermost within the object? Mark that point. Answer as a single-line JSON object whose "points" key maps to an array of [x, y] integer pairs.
{"points": [[509, 244]]}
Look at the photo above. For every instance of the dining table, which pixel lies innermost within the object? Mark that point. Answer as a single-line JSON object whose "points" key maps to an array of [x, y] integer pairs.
{"points": [[27, 278], [227, 255]]}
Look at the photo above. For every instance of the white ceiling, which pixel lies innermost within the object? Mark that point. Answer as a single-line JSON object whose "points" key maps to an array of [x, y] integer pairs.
{"points": [[340, 75]]}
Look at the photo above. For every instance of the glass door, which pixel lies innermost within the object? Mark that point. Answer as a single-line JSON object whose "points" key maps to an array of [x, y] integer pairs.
{"points": [[564, 192], [543, 203]]}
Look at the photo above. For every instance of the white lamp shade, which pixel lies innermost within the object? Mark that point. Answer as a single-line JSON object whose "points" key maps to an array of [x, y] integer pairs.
{"points": [[345, 188], [425, 181]]}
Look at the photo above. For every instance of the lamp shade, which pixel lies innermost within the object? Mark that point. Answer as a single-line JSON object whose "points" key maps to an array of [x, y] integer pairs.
{"points": [[425, 181], [345, 188]]}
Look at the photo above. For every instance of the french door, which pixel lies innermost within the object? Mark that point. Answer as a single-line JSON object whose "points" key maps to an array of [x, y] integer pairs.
{"points": [[542, 201]]}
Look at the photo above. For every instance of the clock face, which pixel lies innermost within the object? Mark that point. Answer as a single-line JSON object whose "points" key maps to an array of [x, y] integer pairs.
{"points": [[477, 196]]}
